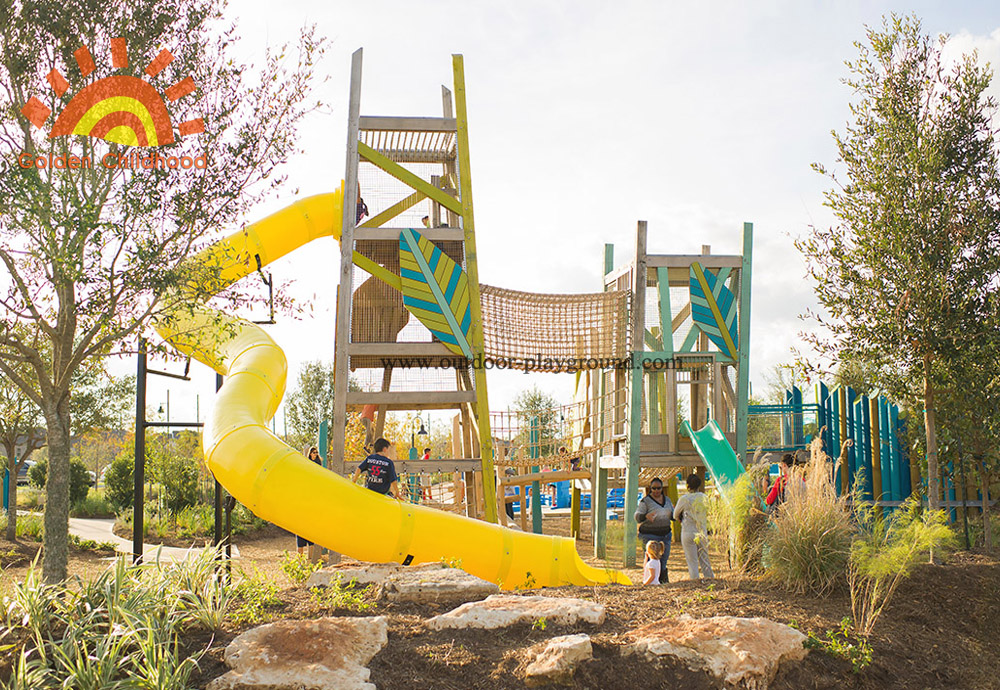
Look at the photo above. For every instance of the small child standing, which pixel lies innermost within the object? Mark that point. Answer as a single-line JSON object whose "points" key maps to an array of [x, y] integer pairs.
{"points": [[651, 566]]}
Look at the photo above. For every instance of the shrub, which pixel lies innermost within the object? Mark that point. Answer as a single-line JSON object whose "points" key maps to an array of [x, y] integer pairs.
{"points": [[298, 567], [79, 478], [93, 506], [195, 521], [119, 485], [30, 498], [178, 474], [739, 520], [885, 552], [809, 541]]}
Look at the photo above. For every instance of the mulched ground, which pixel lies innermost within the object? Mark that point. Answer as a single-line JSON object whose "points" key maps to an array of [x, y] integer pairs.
{"points": [[942, 629]]}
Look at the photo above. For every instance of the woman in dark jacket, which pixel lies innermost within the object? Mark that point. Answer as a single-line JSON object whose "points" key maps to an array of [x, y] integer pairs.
{"points": [[653, 515]]}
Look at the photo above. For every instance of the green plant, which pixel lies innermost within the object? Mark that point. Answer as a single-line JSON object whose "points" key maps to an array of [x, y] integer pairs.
{"points": [[298, 567], [178, 474], [256, 594], [28, 526], [885, 552], [340, 596], [452, 563], [79, 478], [94, 505], [539, 624], [119, 486], [842, 644], [809, 541], [30, 498]]}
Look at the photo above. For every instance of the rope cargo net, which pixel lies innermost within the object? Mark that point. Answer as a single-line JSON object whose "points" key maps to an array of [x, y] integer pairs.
{"points": [[556, 333]]}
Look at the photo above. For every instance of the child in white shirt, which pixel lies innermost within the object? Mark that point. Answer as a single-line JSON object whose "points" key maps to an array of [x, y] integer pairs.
{"points": [[692, 512], [651, 566]]}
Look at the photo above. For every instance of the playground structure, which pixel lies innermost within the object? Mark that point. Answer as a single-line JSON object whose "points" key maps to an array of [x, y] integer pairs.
{"points": [[410, 307]]}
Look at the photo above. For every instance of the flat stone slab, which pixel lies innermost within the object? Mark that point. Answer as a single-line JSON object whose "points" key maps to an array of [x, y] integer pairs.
{"points": [[322, 654], [502, 610], [740, 651], [428, 582], [444, 584], [364, 573], [557, 659]]}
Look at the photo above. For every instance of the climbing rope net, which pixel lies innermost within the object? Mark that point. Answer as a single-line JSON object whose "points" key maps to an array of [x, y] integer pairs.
{"points": [[565, 333]]}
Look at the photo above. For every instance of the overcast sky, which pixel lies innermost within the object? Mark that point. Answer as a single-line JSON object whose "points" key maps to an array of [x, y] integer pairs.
{"points": [[586, 117]]}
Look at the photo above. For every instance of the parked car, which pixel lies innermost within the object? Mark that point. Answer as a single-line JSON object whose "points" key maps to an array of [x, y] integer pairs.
{"points": [[22, 473]]}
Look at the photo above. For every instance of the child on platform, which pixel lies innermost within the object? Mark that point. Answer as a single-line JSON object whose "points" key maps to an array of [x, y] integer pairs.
{"points": [[651, 566]]}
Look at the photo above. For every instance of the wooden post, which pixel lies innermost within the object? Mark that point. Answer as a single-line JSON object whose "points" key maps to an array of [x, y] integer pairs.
{"points": [[599, 497], [574, 511], [534, 439], [472, 269], [345, 289], [874, 434], [635, 407]]}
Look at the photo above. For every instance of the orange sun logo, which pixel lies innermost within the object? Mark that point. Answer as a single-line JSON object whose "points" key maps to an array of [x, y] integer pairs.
{"points": [[122, 109]]}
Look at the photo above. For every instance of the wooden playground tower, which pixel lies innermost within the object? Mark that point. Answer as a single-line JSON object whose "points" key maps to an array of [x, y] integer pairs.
{"points": [[690, 326], [635, 351], [370, 317]]}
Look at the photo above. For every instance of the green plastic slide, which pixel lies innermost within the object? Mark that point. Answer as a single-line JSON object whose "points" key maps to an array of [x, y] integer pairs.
{"points": [[718, 456]]}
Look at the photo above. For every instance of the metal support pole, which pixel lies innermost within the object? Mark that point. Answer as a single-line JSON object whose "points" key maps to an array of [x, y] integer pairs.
{"points": [[217, 535], [139, 473]]}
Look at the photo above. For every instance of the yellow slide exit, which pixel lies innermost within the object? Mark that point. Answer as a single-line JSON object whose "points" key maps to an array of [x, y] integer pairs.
{"points": [[279, 484]]}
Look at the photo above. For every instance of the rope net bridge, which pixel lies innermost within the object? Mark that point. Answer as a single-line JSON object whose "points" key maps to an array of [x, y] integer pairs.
{"points": [[556, 437]]}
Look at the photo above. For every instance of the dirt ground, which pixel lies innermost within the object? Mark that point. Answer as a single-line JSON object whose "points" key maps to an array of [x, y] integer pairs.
{"points": [[942, 629]]}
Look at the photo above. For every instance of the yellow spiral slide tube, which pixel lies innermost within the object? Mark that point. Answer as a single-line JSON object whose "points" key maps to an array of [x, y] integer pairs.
{"points": [[280, 485]]}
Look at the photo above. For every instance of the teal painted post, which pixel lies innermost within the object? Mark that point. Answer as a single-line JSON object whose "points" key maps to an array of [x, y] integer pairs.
{"points": [[743, 367], [798, 434], [865, 451], [834, 451], [666, 315], [324, 444], [534, 451], [6, 488], [599, 498]]}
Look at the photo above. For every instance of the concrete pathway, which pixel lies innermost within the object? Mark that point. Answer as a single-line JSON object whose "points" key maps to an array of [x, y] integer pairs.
{"points": [[99, 530]]}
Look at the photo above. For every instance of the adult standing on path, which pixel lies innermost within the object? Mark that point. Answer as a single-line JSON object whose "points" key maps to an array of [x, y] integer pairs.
{"points": [[381, 471], [654, 515], [301, 543], [692, 511]]}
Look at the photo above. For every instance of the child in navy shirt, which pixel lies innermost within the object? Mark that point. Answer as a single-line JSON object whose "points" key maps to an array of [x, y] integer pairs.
{"points": [[381, 471]]}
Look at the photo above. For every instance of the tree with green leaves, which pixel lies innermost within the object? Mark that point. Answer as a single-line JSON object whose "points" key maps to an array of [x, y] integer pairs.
{"points": [[91, 254], [540, 411], [906, 273], [311, 401]]}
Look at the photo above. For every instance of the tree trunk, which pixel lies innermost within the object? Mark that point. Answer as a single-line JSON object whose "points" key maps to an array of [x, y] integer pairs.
{"points": [[11, 533], [933, 476], [56, 543], [987, 531]]}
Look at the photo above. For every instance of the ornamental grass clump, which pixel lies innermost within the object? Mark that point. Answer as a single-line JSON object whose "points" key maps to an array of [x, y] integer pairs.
{"points": [[885, 552], [809, 541]]}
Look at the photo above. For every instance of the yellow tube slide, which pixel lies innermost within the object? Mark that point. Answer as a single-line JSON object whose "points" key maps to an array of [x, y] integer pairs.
{"points": [[280, 485]]}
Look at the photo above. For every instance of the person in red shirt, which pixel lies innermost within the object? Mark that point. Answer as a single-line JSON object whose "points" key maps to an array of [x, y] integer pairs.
{"points": [[777, 493]]}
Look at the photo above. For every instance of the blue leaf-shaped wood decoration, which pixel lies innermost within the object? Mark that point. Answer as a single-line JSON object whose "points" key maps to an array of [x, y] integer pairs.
{"points": [[436, 291], [713, 309]]}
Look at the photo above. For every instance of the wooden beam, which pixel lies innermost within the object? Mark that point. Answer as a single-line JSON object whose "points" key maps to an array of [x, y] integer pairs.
{"points": [[465, 208], [743, 353], [392, 234], [383, 274], [408, 178], [388, 123], [341, 359], [637, 376], [442, 465], [546, 477], [418, 349], [393, 211], [685, 261]]}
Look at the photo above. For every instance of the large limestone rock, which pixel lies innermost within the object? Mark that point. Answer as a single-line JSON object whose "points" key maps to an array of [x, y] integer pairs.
{"points": [[501, 610], [556, 659], [323, 654], [740, 651], [429, 582], [447, 584]]}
